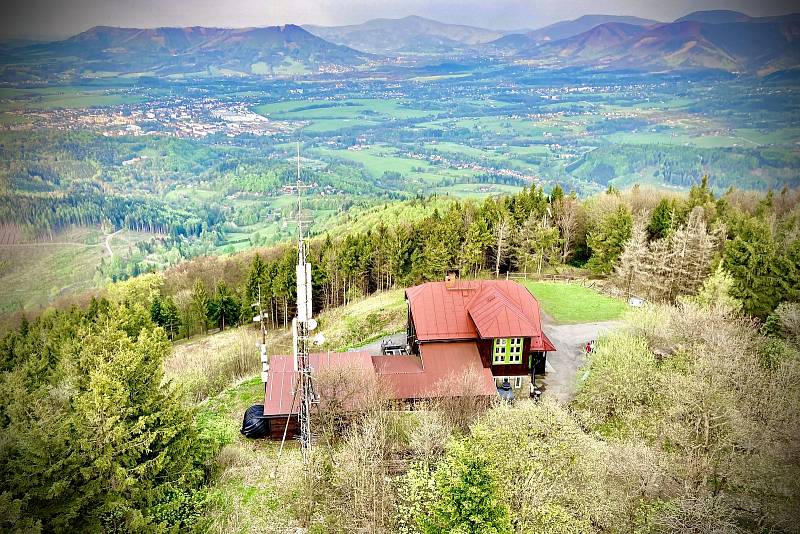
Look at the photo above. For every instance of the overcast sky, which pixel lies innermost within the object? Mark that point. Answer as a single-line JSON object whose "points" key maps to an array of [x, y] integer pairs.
{"points": [[61, 18]]}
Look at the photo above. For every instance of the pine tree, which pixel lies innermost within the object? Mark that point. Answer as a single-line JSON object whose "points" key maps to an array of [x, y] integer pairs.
{"points": [[608, 240], [224, 308], [661, 220], [473, 251]]}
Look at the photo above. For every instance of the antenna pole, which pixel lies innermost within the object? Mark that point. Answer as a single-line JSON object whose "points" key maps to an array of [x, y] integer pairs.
{"points": [[302, 325]]}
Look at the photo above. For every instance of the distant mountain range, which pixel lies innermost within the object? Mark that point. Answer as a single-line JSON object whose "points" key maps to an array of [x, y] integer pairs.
{"points": [[407, 35], [753, 45], [176, 51], [565, 29], [726, 40], [722, 16]]}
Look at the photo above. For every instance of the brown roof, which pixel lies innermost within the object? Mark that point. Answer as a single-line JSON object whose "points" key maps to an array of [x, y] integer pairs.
{"points": [[473, 309]]}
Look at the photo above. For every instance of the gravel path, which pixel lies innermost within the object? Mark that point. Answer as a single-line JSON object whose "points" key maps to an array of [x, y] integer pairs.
{"points": [[570, 342]]}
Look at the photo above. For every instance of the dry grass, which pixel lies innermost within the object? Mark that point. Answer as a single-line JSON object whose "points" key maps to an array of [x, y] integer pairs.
{"points": [[207, 365]]}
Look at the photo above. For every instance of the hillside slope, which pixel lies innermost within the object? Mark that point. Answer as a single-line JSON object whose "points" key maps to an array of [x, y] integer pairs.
{"points": [[732, 46], [409, 34], [171, 51]]}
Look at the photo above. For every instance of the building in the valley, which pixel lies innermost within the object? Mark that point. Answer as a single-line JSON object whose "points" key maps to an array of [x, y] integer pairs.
{"points": [[490, 328]]}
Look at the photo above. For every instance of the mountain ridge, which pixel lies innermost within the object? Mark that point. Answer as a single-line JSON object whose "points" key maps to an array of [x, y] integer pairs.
{"points": [[734, 46], [412, 33], [177, 50]]}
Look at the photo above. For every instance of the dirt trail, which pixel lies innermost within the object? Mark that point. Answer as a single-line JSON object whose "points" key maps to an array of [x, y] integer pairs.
{"points": [[108, 243]]}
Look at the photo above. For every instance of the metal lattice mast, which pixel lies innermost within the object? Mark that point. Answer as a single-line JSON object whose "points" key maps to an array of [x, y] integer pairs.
{"points": [[302, 325]]}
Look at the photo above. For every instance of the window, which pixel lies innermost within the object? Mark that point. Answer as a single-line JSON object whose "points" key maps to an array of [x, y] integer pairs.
{"points": [[499, 351], [517, 382], [515, 350], [507, 350]]}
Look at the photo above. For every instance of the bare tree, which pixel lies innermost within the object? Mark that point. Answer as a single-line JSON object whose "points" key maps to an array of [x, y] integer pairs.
{"points": [[501, 232], [566, 213], [633, 265], [455, 400], [345, 392]]}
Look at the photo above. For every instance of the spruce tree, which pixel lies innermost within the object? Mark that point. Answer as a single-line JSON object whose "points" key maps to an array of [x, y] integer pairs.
{"points": [[608, 240], [661, 220]]}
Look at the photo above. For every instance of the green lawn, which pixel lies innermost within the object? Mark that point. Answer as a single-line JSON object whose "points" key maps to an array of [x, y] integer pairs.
{"points": [[573, 303]]}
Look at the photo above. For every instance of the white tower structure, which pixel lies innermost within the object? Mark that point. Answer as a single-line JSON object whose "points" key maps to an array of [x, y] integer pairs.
{"points": [[302, 326]]}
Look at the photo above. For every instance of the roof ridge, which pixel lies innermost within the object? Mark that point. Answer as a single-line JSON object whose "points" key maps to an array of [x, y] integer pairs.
{"points": [[505, 298]]}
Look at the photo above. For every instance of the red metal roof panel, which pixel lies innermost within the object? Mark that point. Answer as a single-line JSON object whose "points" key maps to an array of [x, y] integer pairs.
{"points": [[448, 312], [282, 377]]}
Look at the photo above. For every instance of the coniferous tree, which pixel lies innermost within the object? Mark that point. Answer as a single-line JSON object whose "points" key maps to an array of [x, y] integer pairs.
{"points": [[608, 240], [632, 271], [224, 308], [113, 449], [661, 220]]}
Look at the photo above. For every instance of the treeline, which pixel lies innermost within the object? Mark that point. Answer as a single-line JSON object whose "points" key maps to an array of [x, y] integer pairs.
{"points": [[88, 205], [657, 246], [681, 165]]}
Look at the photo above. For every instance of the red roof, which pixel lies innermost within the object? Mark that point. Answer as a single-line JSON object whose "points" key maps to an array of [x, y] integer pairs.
{"points": [[407, 377], [282, 377], [473, 309], [435, 373]]}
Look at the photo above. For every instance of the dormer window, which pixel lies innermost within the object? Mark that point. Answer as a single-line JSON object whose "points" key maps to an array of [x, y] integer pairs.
{"points": [[507, 350]]}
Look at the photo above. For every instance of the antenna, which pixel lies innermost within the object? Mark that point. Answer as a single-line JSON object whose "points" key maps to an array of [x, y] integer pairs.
{"points": [[263, 345], [302, 325]]}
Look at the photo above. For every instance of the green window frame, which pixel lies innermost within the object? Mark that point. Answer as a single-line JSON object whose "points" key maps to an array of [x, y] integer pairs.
{"points": [[507, 350]]}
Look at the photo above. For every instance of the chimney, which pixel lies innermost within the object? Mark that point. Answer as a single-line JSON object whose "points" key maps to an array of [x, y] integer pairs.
{"points": [[450, 280]]}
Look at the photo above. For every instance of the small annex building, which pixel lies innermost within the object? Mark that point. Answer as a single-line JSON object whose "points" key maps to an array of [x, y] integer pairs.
{"points": [[489, 327]]}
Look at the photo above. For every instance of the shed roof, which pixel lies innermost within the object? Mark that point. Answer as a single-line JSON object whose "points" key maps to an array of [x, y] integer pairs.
{"points": [[433, 374], [282, 376], [473, 309]]}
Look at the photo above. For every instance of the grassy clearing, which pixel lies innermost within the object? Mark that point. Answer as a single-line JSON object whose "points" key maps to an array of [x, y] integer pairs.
{"points": [[207, 365], [251, 489], [364, 320], [379, 159], [64, 97], [247, 494], [34, 274], [573, 303]]}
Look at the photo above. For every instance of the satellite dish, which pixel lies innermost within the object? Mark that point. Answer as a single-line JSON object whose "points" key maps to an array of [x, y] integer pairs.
{"points": [[319, 339], [311, 324]]}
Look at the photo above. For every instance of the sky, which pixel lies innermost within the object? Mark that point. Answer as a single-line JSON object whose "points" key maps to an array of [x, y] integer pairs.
{"points": [[51, 19]]}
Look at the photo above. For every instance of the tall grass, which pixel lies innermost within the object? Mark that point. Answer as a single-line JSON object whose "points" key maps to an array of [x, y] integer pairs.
{"points": [[206, 369]]}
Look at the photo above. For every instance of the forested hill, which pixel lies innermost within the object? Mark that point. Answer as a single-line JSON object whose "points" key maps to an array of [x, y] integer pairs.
{"points": [[95, 439], [660, 246]]}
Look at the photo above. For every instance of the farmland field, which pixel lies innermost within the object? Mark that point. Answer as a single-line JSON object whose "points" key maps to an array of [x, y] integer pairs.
{"points": [[220, 154]]}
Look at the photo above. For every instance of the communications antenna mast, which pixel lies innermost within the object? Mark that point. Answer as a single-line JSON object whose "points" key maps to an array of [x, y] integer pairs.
{"points": [[302, 326]]}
